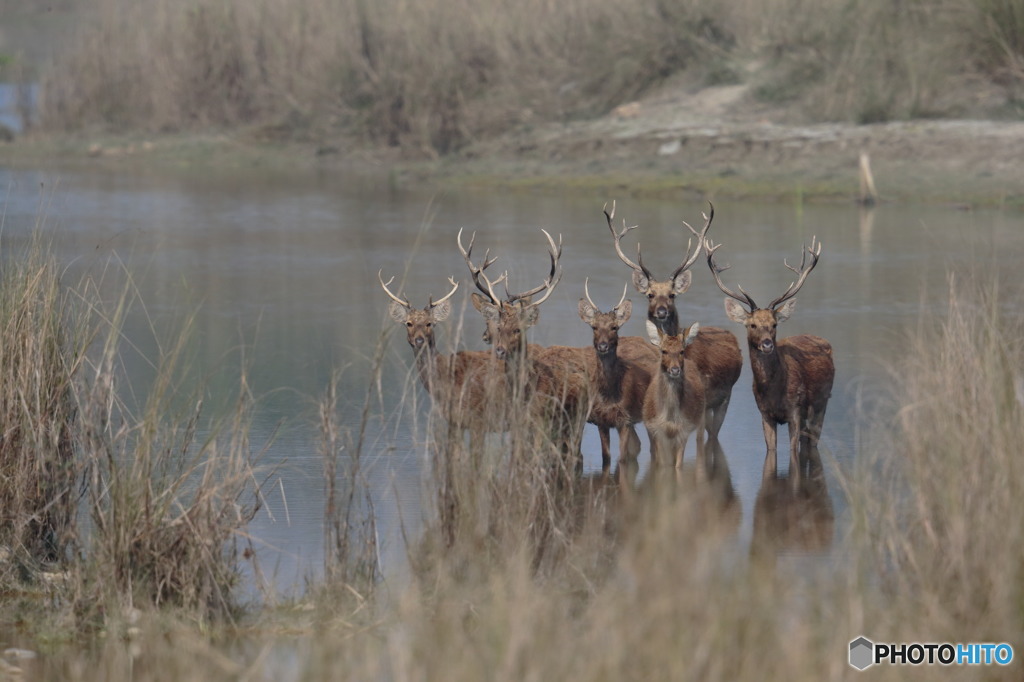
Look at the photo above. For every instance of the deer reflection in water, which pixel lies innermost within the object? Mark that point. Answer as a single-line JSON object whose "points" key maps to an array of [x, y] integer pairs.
{"points": [[793, 513]]}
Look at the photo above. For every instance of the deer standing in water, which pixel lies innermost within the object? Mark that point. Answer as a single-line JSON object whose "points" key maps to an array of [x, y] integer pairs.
{"points": [[674, 402], [619, 385], [714, 351], [552, 388], [461, 384], [792, 377]]}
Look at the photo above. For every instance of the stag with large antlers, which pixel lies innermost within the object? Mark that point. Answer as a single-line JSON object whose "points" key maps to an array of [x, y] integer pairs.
{"points": [[554, 390], [715, 351], [793, 376], [619, 385], [460, 384]]}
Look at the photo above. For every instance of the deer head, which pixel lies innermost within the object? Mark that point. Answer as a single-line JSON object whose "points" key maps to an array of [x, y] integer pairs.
{"points": [[672, 348], [419, 324], [762, 323], [508, 320], [661, 294], [605, 325]]}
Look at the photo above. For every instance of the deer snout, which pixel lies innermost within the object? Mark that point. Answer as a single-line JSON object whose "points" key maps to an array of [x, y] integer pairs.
{"points": [[674, 372], [602, 347], [661, 312], [766, 345], [419, 341], [500, 352]]}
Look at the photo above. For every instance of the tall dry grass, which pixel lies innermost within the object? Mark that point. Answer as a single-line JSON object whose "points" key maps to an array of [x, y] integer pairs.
{"points": [[428, 75], [431, 76], [42, 344]]}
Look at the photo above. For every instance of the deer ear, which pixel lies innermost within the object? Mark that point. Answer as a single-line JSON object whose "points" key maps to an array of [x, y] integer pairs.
{"points": [[479, 301], [530, 315], [641, 282], [691, 334], [397, 312], [783, 312], [587, 312], [441, 311], [682, 282], [623, 311], [735, 311], [653, 333]]}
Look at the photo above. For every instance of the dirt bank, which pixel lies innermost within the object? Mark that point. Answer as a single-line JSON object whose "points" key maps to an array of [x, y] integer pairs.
{"points": [[710, 142], [718, 142]]}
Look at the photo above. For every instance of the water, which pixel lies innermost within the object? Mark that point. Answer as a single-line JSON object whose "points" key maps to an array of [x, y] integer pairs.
{"points": [[285, 268]]}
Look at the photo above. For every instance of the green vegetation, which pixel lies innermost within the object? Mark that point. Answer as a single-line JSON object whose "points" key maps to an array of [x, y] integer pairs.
{"points": [[432, 75]]}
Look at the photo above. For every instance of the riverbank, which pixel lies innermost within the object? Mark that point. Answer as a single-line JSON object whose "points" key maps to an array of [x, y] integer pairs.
{"points": [[713, 142]]}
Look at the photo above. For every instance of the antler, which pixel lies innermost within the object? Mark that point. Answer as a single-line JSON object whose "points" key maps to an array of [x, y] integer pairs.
{"points": [[396, 299], [701, 236], [478, 272], [586, 290], [431, 303], [710, 248], [553, 278], [618, 243], [801, 272]]}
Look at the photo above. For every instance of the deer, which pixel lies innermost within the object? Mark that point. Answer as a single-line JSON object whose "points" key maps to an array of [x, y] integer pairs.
{"points": [[714, 351], [674, 402], [458, 383], [554, 389], [619, 386], [792, 376]]}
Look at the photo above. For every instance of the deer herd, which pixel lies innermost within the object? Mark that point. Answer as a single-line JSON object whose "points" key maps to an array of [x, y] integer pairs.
{"points": [[677, 381]]}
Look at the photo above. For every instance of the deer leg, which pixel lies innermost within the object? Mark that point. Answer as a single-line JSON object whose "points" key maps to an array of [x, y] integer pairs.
{"points": [[770, 438], [717, 418], [795, 434], [629, 442], [606, 445]]}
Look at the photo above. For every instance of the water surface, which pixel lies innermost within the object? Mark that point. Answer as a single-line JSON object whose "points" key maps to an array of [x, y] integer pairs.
{"points": [[285, 269]]}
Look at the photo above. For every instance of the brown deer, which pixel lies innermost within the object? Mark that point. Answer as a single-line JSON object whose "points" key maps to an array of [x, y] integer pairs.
{"points": [[674, 402], [793, 376], [459, 384], [619, 385], [553, 388], [715, 351]]}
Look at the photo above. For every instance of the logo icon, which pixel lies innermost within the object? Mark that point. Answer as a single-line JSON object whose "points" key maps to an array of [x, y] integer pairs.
{"points": [[862, 653]]}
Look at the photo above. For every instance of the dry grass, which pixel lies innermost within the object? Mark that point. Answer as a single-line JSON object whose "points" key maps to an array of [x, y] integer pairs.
{"points": [[432, 75]]}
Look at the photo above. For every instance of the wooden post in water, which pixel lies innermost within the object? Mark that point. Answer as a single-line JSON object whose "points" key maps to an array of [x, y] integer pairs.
{"points": [[868, 193]]}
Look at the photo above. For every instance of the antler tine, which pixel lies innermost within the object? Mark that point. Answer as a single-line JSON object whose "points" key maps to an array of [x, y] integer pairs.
{"points": [[384, 284], [717, 271], [701, 236], [618, 243], [478, 272], [455, 286], [624, 289], [586, 290], [555, 253], [802, 272]]}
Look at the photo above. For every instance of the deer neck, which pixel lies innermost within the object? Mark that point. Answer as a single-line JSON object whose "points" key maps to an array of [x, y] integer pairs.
{"points": [[609, 379], [767, 367], [668, 325]]}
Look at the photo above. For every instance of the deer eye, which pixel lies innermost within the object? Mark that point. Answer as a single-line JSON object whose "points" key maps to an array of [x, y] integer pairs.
{"points": [[650, 296], [408, 324], [671, 295], [615, 327]]}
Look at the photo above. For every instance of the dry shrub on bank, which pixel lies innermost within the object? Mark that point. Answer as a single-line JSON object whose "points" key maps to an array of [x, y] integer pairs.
{"points": [[169, 490], [429, 75], [41, 346]]}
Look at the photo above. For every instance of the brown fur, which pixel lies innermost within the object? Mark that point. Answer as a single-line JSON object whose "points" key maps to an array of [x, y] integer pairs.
{"points": [[619, 385], [792, 378], [674, 402]]}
